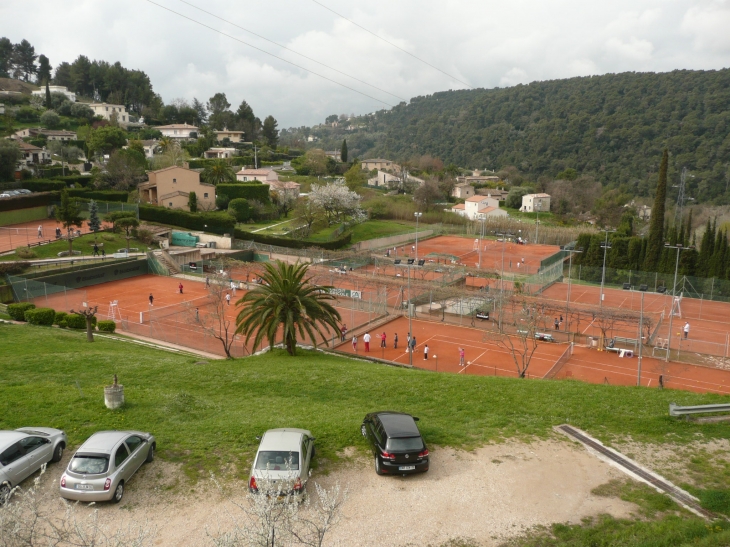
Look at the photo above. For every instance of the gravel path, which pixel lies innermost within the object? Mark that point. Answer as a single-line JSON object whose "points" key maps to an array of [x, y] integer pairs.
{"points": [[486, 496]]}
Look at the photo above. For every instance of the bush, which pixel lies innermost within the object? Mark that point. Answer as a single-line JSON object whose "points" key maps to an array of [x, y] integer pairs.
{"points": [[62, 323], [107, 326], [17, 311], [144, 235], [44, 185], [217, 223], [13, 268], [240, 209], [99, 195], [75, 321], [259, 192], [50, 119], [221, 202], [60, 317], [27, 201], [25, 252], [40, 316]]}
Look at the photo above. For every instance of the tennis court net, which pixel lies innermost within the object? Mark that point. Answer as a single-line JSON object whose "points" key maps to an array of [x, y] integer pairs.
{"points": [[156, 314], [564, 358]]}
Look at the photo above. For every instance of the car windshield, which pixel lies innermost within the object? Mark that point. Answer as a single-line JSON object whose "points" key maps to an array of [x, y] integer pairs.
{"points": [[89, 465], [405, 443], [278, 460]]}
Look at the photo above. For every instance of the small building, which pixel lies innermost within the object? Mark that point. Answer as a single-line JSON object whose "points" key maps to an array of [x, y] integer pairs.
{"points": [[644, 212], [286, 187], [233, 136], [50, 134], [178, 131], [219, 153], [334, 154], [459, 209], [380, 165], [32, 155], [500, 194], [151, 147], [535, 202], [482, 205], [383, 179], [171, 188], [478, 179], [70, 95], [463, 190], [111, 111], [261, 175]]}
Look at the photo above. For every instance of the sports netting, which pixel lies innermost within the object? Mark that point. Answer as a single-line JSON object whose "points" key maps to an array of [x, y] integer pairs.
{"points": [[46, 295]]}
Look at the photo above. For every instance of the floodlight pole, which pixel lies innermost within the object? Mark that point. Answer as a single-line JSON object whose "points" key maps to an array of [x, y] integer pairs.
{"points": [[674, 289], [570, 270], [641, 338], [605, 246], [410, 329], [417, 215]]}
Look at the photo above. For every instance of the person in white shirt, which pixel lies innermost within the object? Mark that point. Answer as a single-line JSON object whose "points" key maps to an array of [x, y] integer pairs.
{"points": [[686, 330], [366, 339]]}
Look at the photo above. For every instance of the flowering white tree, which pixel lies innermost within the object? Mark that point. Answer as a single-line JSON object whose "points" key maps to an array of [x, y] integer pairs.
{"points": [[337, 202]]}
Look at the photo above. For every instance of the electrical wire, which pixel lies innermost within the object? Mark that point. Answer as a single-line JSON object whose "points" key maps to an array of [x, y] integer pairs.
{"points": [[391, 43], [293, 51], [270, 54]]}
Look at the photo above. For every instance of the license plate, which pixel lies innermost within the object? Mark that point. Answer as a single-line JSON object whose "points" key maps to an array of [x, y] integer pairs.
{"points": [[406, 468], [84, 487]]}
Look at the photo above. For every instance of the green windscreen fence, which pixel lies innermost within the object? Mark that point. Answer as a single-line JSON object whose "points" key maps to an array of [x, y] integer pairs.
{"points": [[184, 239], [46, 295]]}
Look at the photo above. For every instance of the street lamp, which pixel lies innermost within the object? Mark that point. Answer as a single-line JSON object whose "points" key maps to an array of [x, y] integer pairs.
{"points": [[606, 247], [482, 218], [417, 215], [679, 248], [501, 277], [570, 269]]}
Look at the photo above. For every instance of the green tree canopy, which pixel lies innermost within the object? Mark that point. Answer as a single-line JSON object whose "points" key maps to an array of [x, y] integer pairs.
{"points": [[106, 139], [69, 215], [9, 156], [270, 133]]}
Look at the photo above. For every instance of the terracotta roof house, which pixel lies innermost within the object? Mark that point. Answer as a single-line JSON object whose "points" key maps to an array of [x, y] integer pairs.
{"points": [[261, 175], [171, 188]]}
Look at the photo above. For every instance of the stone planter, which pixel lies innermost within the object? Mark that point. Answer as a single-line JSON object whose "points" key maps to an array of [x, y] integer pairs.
{"points": [[114, 395]]}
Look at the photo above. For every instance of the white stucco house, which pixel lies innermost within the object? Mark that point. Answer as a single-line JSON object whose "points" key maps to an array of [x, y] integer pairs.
{"points": [[178, 131], [55, 89], [535, 202], [109, 111], [219, 153], [261, 175], [477, 207]]}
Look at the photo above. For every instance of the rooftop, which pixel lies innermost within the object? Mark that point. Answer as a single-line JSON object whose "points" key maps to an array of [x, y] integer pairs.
{"points": [[176, 126]]}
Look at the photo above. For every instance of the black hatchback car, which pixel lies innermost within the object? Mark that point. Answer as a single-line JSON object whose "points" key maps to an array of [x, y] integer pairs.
{"points": [[396, 443]]}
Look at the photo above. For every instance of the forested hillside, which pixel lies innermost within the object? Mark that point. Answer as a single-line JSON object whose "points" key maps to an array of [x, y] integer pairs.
{"points": [[613, 127]]}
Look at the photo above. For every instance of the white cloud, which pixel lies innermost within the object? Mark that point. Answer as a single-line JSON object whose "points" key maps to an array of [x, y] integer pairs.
{"points": [[485, 43]]}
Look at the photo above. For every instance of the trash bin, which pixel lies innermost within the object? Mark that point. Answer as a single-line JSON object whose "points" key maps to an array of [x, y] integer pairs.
{"points": [[594, 342]]}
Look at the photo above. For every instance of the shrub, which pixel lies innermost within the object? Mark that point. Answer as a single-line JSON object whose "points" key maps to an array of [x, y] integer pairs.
{"points": [[60, 317], [13, 268], [108, 237], [17, 311], [144, 235], [44, 185], [217, 223], [250, 191], [99, 195], [239, 208], [50, 119], [27, 201], [221, 202], [25, 252], [107, 326], [40, 316], [63, 324], [75, 321], [338, 243]]}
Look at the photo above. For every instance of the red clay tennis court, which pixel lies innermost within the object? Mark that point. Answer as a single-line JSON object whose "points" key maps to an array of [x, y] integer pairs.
{"points": [[20, 235]]}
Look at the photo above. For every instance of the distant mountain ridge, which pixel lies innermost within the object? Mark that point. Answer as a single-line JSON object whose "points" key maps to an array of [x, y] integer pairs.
{"points": [[613, 127]]}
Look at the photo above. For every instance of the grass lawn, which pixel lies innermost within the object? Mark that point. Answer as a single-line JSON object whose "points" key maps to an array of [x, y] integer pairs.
{"points": [[112, 243], [379, 228], [325, 234]]}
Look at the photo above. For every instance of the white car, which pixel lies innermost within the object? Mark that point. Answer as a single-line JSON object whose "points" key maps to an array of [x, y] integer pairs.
{"points": [[24, 451], [284, 455]]}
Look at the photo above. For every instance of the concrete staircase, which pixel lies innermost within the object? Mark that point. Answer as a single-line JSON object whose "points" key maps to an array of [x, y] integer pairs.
{"points": [[169, 263]]}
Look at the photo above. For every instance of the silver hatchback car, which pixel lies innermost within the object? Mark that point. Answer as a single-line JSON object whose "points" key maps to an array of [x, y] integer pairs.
{"points": [[102, 465], [24, 451], [284, 455]]}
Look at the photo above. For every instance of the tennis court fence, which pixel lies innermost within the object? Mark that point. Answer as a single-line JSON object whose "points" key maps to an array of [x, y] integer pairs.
{"points": [[46, 295]]}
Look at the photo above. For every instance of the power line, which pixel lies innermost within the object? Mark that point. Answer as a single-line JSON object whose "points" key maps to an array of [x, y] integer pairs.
{"points": [[267, 53], [391, 43], [293, 51]]}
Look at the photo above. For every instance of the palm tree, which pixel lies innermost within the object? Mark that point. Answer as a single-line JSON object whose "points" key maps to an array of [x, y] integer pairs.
{"points": [[219, 171], [288, 301]]}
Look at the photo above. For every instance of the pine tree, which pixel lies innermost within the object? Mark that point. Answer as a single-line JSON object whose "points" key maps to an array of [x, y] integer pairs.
{"points": [[94, 222], [655, 242], [706, 247], [688, 229], [343, 151], [49, 103], [193, 202]]}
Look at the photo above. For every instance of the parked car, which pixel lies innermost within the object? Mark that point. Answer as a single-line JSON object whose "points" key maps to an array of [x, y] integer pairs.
{"points": [[284, 454], [24, 451], [24, 191], [396, 443], [104, 464], [5, 195]]}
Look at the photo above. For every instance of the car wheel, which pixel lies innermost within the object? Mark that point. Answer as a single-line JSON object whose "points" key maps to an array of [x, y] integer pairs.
{"points": [[150, 454], [118, 493], [378, 470], [363, 430], [4, 492], [57, 453]]}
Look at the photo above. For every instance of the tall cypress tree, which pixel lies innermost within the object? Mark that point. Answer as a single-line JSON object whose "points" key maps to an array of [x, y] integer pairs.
{"points": [[49, 103], [688, 229], [706, 248], [655, 242], [343, 151]]}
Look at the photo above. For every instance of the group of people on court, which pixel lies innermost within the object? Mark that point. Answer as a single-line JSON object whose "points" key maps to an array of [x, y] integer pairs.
{"points": [[411, 343]]}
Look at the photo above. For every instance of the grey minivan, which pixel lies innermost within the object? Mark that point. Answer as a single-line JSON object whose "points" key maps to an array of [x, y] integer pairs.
{"points": [[102, 466]]}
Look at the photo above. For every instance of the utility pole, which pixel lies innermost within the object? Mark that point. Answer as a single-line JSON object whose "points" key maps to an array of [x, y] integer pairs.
{"points": [[641, 338]]}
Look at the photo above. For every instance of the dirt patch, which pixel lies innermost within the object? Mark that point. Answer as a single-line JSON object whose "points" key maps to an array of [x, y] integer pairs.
{"points": [[486, 495]]}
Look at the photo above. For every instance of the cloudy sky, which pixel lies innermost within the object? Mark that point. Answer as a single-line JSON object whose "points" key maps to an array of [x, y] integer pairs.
{"points": [[475, 43]]}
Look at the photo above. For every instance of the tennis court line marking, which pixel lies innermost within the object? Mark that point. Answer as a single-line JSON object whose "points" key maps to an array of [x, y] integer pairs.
{"points": [[469, 363]]}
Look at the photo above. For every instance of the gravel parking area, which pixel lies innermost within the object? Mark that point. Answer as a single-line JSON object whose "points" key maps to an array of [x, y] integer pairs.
{"points": [[484, 496]]}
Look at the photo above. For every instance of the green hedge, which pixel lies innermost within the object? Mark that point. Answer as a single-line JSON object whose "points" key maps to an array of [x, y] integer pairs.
{"points": [[99, 195], [44, 185], [27, 201], [259, 192], [75, 321], [40, 316], [107, 326], [60, 316], [338, 243], [83, 180], [17, 311], [239, 208], [217, 223]]}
